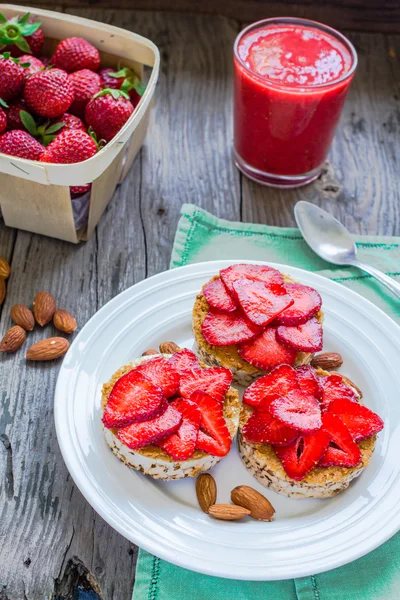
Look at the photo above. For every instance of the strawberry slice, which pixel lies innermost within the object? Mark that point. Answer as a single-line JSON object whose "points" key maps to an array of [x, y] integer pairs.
{"points": [[214, 381], [263, 428], [261, 302], [133, 398], [280, 381], [333, 388], [183, 360], [306, 337], [304, 454], [253, 272], [217, 296], [141, 434], [342, 450], [212, 421], [182, 444], [361, 422], [298, 410], [161, 373], [308, 381], [266, 352], [221, 329], [206, 443], [307, 303]]}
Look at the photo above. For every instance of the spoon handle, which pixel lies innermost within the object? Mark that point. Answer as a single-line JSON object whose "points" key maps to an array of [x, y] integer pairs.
{"points": [[387, 281]]}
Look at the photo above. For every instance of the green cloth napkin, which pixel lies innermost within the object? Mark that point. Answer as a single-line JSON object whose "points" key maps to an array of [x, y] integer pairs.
{"points": [[202, 237]]}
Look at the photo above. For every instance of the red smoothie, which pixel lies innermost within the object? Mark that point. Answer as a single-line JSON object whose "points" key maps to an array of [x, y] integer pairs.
{"points": [[291, 80]]}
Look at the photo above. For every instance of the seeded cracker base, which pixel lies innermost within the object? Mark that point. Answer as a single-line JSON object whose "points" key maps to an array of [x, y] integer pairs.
{"points": [[152, 460], [262, 462]]}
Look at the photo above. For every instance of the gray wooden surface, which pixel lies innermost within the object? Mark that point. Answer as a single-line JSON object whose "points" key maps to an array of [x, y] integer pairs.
{"points": [[50, 539]]}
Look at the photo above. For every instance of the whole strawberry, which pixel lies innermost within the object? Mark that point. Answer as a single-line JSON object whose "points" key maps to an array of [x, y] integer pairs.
{"points": [[21, 35], [86, 84], [13, 114], [71, 122], [11, 77], [35, 64], [70, 146], [107, 112], [3, 120], [20, 143], [49, 93], [73, 54]]}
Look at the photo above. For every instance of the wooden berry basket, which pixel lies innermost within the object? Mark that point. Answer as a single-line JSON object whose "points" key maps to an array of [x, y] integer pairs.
{"points": [[35, 196]]}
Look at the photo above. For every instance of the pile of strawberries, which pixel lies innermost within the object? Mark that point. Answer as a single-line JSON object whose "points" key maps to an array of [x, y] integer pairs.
{"points": [[174, 404], [310, 421], [60, 109], [269, 320]]}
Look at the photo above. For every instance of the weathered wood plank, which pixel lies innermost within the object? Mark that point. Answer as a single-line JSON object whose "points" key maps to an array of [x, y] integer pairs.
{"points": [[359, 186], [371, 15]]}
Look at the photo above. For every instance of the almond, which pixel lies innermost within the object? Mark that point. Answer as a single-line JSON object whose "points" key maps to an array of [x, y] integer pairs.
{"points": [[169, 348], [64, 321], [3, 290], [22, 316], [228, 512], [5, 268], [349, 382], [260, 508], [44, 307], [13, 339], [327, 361], [149, 352], [206, 491], [48, 349]]}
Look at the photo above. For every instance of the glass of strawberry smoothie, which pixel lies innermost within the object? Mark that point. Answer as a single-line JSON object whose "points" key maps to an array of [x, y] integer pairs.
{"points": [[291, 78]]}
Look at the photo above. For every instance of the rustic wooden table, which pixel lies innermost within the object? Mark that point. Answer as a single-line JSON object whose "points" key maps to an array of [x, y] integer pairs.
{"points": [[52, 542]]}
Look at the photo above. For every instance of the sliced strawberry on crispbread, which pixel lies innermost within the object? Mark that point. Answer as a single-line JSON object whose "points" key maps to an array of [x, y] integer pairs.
{"points": [[306, 303], [181, 444], [254, 272], [297, 409], [223, 329], [263, 428], [214, 381], [361, 422], [304, 454], [261, 302], [133, 398], [183, 360], [308, 381], [334, 388], [212, 423], [218, 297], [281, 380], [162, 373], [342, 450], [266, 352], [147, 432], [306, 337]]}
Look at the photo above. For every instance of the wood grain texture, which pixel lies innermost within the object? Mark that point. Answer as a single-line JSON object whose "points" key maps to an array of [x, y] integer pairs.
{"points": [[358, 184], [362, 15]]}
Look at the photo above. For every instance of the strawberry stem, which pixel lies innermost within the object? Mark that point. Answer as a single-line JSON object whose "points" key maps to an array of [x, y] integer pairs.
{"points": [[14, 31]]}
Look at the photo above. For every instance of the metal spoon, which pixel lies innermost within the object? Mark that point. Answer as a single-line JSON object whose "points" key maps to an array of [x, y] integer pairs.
{"points": [[332, 242]]}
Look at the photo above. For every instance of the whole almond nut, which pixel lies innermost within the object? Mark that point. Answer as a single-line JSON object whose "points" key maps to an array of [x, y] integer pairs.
{"points": [[228, 512], [44, 307], [48, 349], [327, 360], [260, 508], [64, 321], [5, 268], [13, 339], [169, 348], [206, 491], [349, 382], [3, 290], [22, 316], [149, 352]]}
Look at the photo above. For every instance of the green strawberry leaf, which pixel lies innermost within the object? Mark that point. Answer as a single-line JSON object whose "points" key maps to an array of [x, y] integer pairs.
{"points": [[22, 45], [124, 72], [47, 139], [55, 127], [25, 65], [29, 122], [30, 28], [24, 19], [2, 103], [2, 18], [114, 93]]}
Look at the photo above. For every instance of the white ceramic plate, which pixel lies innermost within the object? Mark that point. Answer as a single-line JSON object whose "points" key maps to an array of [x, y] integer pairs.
{"points": [[307, 536]]}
